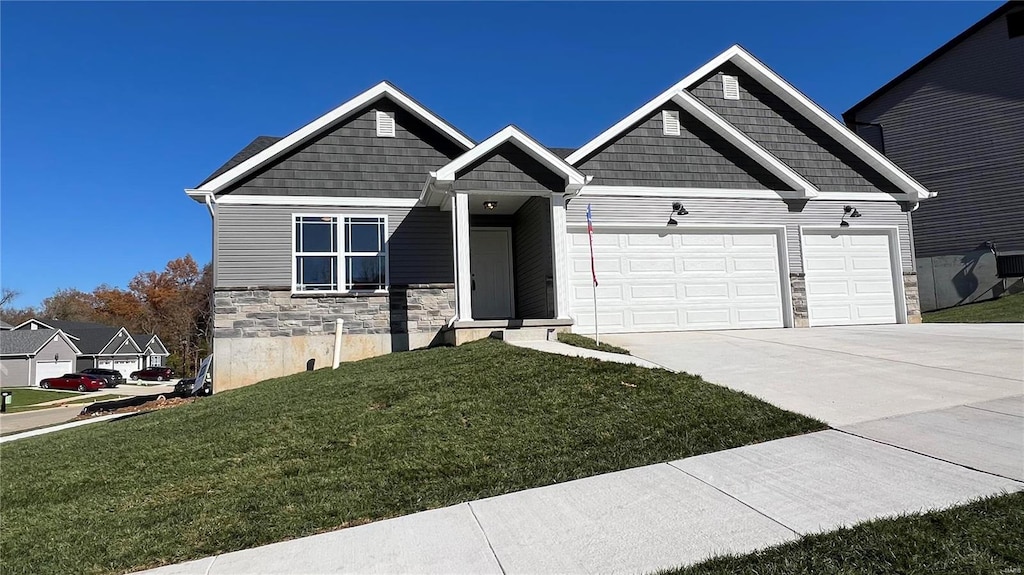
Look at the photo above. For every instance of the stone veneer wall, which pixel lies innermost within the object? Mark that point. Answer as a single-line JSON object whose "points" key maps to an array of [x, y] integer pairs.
{"points": [[913, 297], [798, 287], [421, 308]]}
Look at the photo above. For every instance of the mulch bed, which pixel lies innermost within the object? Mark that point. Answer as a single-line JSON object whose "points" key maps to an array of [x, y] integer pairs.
{"points": [[159, 403]]}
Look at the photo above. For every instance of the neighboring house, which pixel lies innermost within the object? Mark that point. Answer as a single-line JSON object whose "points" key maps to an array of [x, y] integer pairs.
{"points": [[106, 346], [5, 326], [955, 122], [728, 201], [29, 356]]}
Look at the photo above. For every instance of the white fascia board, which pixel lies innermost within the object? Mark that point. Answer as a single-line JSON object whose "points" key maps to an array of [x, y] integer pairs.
{"points": [[648, 108], [31, 321], [823, 120], [198, 195], [511, 134], [326, 201], [323, 122], [733, 135], [729, 193], [67, 339]]}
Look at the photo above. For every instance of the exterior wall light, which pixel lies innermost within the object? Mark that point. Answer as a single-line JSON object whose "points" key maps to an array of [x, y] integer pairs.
{"points": [[848, 212], [490, 205], [677, 210]]}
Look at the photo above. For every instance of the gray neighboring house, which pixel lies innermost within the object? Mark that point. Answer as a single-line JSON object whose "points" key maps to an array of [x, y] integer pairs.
{"points": [[955, 121], [5, 326], [728, 201], [106, 346], [28, 356]]}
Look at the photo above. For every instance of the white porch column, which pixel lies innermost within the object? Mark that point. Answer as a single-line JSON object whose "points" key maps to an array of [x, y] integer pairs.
{"points": [[463, 276], [560, 256]]}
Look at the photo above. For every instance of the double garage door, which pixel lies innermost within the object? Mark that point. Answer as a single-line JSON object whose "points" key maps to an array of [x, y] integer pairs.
{"points": [[694, 280], [124, 366]]}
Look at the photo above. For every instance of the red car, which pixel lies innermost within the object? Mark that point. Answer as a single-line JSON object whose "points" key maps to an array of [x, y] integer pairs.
{"points": [[151, 373], [75, 381]]}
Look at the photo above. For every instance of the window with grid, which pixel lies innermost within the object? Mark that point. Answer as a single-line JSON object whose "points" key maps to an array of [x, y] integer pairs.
{"points": [[340, 253]]}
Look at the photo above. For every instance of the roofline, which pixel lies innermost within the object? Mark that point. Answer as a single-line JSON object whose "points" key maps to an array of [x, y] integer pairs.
{"points": [[511, 134], [317, 126], [849, 115], [57, 333]]}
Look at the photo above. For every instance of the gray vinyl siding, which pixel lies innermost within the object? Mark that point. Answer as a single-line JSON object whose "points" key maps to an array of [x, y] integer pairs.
{"points": [[957, 126], [115, 344], [697, 158], [59, 348], [509, 169], [532, 249], [351, 160], [654, 212], [790, 136], [254, 246], [15, 372]]}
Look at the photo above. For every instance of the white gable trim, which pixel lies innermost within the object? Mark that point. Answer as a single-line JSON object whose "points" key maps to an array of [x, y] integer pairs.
{"points": [[510, 134], [787, 93], [320, 124], [63, 336], [332, 201]]}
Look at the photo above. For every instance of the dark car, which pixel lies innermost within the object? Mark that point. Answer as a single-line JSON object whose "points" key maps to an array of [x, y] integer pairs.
{"points": [[152, 373], [74, 381], [184, 387], [111, 376]]}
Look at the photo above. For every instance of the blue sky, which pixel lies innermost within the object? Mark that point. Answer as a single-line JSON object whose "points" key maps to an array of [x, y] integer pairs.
{"points": [[109, 110]]}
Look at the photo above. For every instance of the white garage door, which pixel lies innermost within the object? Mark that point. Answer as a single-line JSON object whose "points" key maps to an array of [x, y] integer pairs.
{"points": [[45, 369], [126, 366], [658, 281], [849, 278], [106, 364]]}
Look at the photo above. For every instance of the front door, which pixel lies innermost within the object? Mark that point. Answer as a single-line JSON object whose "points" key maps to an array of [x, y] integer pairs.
{"points": [[490, 260]]}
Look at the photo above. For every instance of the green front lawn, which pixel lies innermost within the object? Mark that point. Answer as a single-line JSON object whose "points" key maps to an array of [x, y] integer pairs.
{"points": [[26, 396], [589, 343], [983, 537], [327, 449], [1007, 309]]}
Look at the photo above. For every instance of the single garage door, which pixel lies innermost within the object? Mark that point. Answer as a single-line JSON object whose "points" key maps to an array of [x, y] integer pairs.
{"points": [[126, 366], [849, 278], [45, 369], [677, 280]]}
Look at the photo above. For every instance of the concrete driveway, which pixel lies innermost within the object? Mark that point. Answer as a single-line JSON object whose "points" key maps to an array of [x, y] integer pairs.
{"points": [[846, 375]]}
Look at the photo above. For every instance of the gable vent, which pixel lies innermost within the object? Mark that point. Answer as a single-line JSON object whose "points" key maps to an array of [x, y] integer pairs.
{"points": [[731, 87], [670, 122], [385, 125]]}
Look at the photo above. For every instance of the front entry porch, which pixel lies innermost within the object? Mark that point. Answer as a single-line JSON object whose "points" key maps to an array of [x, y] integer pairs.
{"points": [[507, 197]]}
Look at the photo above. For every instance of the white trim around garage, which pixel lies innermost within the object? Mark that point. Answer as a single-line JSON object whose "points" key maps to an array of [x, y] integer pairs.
{"points": [[895, 259], [731, 193]]}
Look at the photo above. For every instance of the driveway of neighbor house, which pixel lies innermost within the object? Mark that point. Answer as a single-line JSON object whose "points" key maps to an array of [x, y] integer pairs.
{"points": [[849, 375]]}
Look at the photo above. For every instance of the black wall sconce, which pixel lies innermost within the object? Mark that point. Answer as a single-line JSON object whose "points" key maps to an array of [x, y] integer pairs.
{"points": [[677, 210], [848, 212]]}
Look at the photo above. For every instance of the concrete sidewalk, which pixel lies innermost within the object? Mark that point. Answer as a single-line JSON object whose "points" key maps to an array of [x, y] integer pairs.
{"points": [[639, 520]]}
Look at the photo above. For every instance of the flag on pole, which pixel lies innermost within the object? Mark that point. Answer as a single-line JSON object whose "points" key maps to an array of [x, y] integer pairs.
{"points": [[590, 232]]}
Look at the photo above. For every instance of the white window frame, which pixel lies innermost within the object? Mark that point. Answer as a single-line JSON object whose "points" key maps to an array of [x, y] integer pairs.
{"points": [[340, 254]]}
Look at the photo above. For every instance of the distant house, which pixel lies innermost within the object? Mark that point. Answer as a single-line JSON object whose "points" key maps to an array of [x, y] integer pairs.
{"points": [[4, 325], [106, 346], [955, 122], [28, 356]]}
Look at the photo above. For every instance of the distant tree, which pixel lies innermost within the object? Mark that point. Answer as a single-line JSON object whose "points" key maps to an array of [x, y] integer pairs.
{"points": [[70, 304], [8, 295], [9, 313]]}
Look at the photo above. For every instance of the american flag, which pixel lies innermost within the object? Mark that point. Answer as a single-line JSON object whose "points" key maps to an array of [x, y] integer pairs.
{"points": [[590, 232]]}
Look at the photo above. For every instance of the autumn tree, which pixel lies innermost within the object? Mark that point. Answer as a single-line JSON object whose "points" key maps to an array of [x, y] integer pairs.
{"points": [[70, 304], [9, 313]]}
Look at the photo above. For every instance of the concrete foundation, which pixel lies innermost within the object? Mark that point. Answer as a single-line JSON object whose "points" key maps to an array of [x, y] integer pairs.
{"points": [[957, 279]]}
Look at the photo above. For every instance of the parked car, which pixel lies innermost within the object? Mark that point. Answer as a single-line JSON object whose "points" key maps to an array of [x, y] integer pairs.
{"points": [[111, 376], [152, 373], [74, 381], [184, 387]]}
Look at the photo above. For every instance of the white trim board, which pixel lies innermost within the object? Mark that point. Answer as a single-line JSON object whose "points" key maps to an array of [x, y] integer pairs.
{"points": [[734, 193], [328, 120], [782, 89], [325, 201]]}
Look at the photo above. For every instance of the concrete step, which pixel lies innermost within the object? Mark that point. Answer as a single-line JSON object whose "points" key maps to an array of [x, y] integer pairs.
{"points": [[524, 333]]}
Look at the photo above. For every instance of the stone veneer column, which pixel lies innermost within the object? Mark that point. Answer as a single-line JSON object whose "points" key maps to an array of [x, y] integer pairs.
{"points": [[798, 287], [913, 297]]}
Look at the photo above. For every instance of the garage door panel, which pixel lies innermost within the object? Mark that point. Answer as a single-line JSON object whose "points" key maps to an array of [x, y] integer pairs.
{"points": [[680, 280], [849, 278], [47, 369]]}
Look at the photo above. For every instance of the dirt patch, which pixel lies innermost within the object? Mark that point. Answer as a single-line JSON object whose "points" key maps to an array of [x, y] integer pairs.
{"points": [[159, 403]]}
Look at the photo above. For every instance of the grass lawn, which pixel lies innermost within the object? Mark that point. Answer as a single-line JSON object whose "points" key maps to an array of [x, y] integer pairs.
{"points": [[1008, 308], [326, 449], [589, 343], [982, 537], [26, 396]]}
